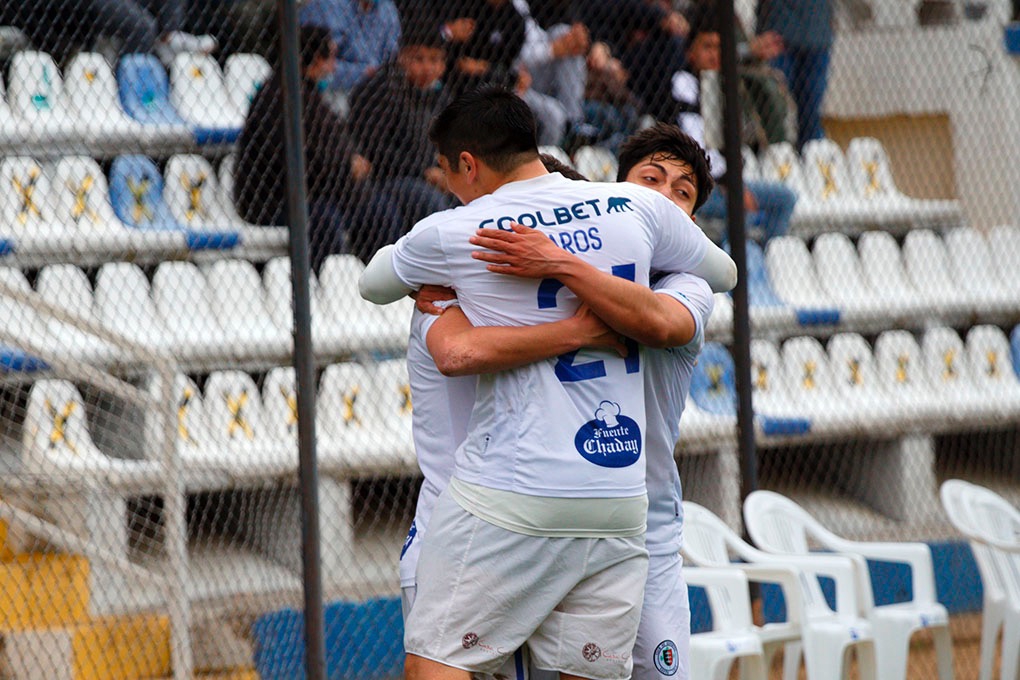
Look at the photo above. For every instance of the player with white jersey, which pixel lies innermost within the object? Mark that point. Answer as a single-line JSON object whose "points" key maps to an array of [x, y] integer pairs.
{"points": [[546, 506]]}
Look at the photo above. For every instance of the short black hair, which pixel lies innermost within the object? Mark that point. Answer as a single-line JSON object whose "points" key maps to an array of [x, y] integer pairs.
{"points": [[669, 142], [553, 164], [316, 43], [491, 123], [420, 33], [703, 17]]}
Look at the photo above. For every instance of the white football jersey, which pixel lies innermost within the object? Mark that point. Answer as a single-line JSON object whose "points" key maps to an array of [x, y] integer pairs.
{"points": [[442, 406], [571, 427], [667, 383]]}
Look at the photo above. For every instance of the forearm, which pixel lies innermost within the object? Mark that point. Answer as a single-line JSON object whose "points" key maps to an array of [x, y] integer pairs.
{"points": [[718, 269], [379, 282], [488, 349]]}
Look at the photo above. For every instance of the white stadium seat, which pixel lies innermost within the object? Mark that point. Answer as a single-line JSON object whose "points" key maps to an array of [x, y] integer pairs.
{"points": [[192, 193], [882, 264], [194, 439], [858, 386], [123, 303], [974, 271], [12, 129], [199, 93], [245, 74], [927, 264], [276, 280], [792, 272], [23, 319], [240, 306], [842, 279], [781, 527], [35, 93], [752, 168], [279, 402], [244, 445], [391, 403], [56, 442], [949, 374], [829, 192], [773, 396], [810, 379], [992, 369], [557, 153], [348, 322], [67, 287], [93, 103], [185, 304], [26, 208], [596, 163], [1004, 242], [83, 204], [903, 375], [347, 434]]}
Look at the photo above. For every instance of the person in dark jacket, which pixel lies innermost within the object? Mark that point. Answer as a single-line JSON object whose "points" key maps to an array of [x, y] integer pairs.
{"points": [[389, 123], [336, 177]]}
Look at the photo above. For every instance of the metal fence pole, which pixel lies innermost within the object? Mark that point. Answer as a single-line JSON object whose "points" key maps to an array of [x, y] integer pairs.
{"points": [[738, 248], [304, 366]]}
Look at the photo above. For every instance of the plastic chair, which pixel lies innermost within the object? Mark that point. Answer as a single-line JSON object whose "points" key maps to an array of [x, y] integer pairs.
{"points": [[90, 91], [991, 526], [973, 269], [858, 386], [992, 368], [193, 195], [809, 376], [82, 203], [829, 188], [1004, 243], [26, 202], [239, 304], [195, 442], [344, 423], [35, 94], [882, 264], [25, 319], [245, 447], [733, 635], [780, 526], [772, 393], [198, 92], [823, 634], [279, 401], [244, 75], [780, 163], [392, 409], [123, 303], [752, 167], [596, 163], [767, 310], [949, 373], [56, 442], [144, 91], [842, 280], [66, 286], [276, 282], [902, 375], [349, 323], [12, 128], [927, 264], [184, 302], [792, 272]]}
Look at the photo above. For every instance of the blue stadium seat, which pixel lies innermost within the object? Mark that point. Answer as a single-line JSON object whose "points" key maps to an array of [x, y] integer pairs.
{"points": [[13, 360], [713, 386], [145, 90], [1014, 349], [136, 191]]}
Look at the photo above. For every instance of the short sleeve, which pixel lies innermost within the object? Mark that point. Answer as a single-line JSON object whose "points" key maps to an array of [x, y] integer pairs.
{"points": [[419, 259], [681, 244], [693, 293]]}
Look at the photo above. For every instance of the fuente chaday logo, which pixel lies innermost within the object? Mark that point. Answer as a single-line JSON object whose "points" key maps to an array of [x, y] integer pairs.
{"points": [[610, 440]]}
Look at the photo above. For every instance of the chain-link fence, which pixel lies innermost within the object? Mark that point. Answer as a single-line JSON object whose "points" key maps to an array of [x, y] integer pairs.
{"points": [[150, 503]]}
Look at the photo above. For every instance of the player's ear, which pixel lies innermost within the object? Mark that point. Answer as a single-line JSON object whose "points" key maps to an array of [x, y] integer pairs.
{"points": [[468, 163]]}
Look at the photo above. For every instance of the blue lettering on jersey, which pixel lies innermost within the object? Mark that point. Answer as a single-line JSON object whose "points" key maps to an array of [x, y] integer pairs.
{"points": [[610, 440], [411, 533], [560, 215]]}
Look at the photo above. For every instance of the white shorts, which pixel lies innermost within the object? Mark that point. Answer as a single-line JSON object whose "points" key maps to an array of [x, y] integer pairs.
{"points": [[662, 651], [517, 667], [484, 591]]}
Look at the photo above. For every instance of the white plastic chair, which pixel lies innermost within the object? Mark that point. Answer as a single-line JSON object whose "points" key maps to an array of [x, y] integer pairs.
{"points": [[195, 443], [240, 306], [199, 93], [279, 401], [991, 526], [780, 526], [83, 204], [882, 264], [858, 386], [733, 635], [927, 264], [596, 163], [792, 272], [237, 420], [184, 302], [1004, 241], [752, 167], [780, 163], [392, 409], [348, 322], [12, 128], [823, 634], [974, 270], [276, 281], [245, 74], [902, 374], [344, 421], [35, 94], [842, 279], [123, 302], [26, 208], [992, 369], [810, 380], [949, 373], [192, 193], [24, 319], [66, 286], [829, 188], [56, 441], [90, 91]]}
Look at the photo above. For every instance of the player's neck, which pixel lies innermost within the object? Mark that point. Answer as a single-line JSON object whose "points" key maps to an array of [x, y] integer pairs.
{"points": [[529, 170]]}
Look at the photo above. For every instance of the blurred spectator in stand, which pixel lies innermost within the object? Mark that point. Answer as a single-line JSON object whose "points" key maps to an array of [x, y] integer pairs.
{"points": [[765, 92], [769, 205], [63, 26], [806, 29], [610, 109], [366, 33], [389, 121], [336, 178]]}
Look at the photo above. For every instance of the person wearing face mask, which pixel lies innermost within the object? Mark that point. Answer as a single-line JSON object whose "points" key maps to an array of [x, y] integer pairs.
{"points": [[337, 179], [389, 123]]}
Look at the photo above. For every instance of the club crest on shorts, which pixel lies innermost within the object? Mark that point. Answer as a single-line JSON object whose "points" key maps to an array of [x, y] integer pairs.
{"points": [[469, 640], [591, 652], [610, 440], [666, 659]]}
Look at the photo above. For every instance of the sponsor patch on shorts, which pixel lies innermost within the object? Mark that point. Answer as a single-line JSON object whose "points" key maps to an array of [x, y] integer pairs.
{"points": [[666, 658]]}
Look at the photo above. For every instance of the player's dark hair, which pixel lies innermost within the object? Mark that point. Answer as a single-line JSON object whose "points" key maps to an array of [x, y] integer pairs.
{"points": [[668, 142], [491, 123], [316, 43], [553, 164], [419, 33]]}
